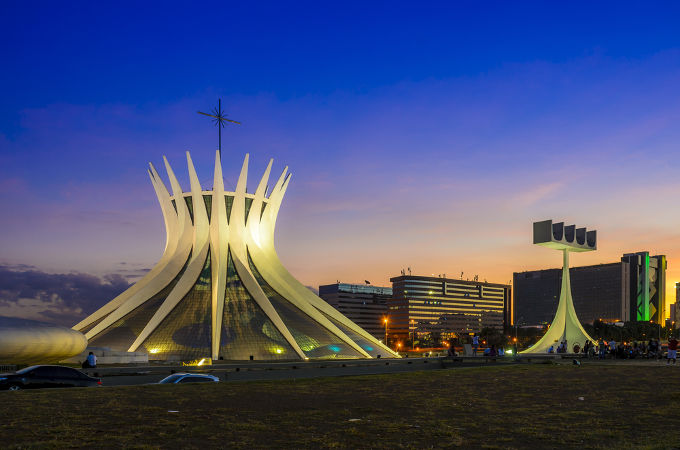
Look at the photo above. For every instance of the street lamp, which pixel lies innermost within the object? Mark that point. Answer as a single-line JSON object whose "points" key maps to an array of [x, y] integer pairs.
{"points": [[385, 321]]}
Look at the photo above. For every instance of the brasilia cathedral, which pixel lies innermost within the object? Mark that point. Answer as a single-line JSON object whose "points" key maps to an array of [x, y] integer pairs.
{"points": [[219, 290]]}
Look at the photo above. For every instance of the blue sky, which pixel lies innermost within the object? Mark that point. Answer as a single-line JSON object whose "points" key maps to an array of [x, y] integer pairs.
{"points": [[422, 136]]}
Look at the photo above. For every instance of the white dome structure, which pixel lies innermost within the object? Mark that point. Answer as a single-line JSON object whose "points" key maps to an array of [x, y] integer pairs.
{"points": [[220, 291]]}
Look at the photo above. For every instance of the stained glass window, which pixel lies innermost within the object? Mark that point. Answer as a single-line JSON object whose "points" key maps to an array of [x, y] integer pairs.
{"points": [[120, 335], [367, 346], [249, 203], [314, 340], [208, 205], [229, 201], [185, 334], [246, 329], [87, 328]]}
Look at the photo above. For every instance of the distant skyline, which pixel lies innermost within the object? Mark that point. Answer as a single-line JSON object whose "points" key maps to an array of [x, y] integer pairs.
{"points": [[429, 137]]}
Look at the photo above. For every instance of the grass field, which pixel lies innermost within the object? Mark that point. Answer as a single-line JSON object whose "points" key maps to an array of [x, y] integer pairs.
{"points": [[539, 406]]}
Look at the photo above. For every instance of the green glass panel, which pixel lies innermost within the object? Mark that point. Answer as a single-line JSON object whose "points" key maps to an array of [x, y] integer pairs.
{"points": [[229, 201], [208, 205], [190, 205]]}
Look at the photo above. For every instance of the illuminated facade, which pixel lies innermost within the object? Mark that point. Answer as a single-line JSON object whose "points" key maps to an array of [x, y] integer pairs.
{"points": [[423, 305], [646, 287], [565, 326], [220, 291]]}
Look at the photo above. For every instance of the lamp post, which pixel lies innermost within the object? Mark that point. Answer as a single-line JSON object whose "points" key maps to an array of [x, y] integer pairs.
{"points": [[385, 321], [413, 338]]}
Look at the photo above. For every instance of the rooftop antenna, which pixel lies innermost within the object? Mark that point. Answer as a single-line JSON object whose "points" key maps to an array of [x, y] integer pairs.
{"points": [[218, 119]]}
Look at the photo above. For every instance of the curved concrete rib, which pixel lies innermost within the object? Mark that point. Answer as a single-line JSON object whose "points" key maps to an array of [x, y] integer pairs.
{"points": [[248, 238], [280, 276], [196, 265], [565, 325], [174, 266], [170, 219], [219, 241], [237, 225], [260, 256]]}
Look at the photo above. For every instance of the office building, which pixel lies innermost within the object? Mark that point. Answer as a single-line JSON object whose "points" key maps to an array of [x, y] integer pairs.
{"points": [[629, 290], [364, 305], [423, 305], [674, 316]]}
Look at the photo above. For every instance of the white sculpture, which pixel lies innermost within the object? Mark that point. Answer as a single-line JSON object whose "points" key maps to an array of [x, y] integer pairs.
{"points": [[220, 288], [565, 327]]}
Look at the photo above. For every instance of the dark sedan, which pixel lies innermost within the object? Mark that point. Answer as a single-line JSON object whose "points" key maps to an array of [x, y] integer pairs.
{"points": [[46, 377]]}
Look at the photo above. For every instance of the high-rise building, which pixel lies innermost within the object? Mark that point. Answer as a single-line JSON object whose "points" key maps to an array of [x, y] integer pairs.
{"points": [[220, 291], [612, 292], [647, 287], [364, 305], [675, 308], [445, 305]]}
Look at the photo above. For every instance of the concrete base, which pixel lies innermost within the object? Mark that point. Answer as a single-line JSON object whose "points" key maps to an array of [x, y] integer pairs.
{"points": [[106, 356]]}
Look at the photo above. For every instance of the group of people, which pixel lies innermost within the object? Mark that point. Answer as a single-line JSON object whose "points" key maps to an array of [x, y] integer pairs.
{"points": [[562, 348], [622, 350]]}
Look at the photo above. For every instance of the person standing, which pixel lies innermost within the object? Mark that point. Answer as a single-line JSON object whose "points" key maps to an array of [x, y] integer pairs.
{"points": [[612, 348], [672, 350], [475, 344]]}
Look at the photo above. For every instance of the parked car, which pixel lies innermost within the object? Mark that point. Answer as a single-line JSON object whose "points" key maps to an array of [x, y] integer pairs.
{"points": [[177, 378], [46, 377]]}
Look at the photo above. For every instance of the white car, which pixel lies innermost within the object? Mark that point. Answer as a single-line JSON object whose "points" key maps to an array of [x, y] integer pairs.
{"points": [[177, 378]]}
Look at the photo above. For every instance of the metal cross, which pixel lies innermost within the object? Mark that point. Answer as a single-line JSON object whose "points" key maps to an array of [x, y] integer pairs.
{"points": [[218, 119]]}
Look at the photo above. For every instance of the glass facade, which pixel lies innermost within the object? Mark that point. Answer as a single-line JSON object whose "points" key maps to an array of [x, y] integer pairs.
{"points": [[229, 202], [314, 340], [187, 318], [185, 333], [207, 199], [93, 324], [190, 205], [249, 203], [368, 347], [246, 329], [120, 335]]}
